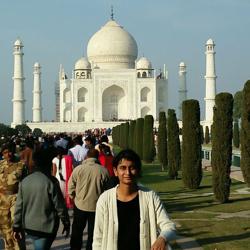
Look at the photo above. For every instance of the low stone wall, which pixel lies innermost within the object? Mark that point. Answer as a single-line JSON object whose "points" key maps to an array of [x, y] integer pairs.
{"points": [[72, 127]]}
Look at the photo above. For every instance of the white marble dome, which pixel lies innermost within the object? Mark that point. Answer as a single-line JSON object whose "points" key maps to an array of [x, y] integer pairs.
{"points": [[210, 42], [112, 47], [18, 42], [182, 64], [143, 63], [82, 63]]}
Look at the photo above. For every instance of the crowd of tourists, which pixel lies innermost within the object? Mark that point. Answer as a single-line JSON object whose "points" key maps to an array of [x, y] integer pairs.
{"points": [[41, 179]]}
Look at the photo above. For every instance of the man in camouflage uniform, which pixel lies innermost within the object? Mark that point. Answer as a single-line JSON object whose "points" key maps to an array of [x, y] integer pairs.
{"points": [[10, 175]]}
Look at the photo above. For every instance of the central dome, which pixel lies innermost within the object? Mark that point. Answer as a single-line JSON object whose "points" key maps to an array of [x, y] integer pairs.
{"points": [[112, 47]]}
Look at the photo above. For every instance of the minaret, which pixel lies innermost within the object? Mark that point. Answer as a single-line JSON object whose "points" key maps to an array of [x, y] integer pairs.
{"points": [[18, 89], [182, 87], [210, 80], [37, 94]]}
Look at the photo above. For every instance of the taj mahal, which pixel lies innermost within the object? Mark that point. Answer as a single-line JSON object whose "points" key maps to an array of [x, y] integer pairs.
{"points": [[108, 86]]}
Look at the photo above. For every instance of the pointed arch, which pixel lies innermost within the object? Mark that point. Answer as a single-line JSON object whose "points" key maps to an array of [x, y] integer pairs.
{"points": [[145, 94], [81, 114], [67, 114], [145, 111], [114, 103], [81, 94]]}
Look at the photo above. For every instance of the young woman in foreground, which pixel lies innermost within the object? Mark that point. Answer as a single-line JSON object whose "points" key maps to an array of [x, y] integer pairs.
{"points": [[130, 216]]}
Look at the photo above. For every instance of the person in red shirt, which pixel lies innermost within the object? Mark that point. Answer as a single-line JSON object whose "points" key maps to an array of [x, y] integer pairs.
{"points": [[106, 158]]}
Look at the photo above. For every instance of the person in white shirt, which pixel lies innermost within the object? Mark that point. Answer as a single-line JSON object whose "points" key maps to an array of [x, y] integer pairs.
{"points": [[78, 153], [130, 216]]}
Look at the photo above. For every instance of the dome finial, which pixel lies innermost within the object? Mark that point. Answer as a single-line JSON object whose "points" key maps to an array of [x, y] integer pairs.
{"points": [[112, 13]]}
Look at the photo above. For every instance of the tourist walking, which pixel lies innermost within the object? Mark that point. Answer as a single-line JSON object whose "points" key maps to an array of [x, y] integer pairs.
{"points": [[130, 216], [78, 153], [10, 175], [86, 184], [40, 204], [62, 168]]}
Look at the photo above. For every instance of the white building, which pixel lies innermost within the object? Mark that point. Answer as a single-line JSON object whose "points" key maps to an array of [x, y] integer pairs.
{"points": [[111, 84], [107, 86]]}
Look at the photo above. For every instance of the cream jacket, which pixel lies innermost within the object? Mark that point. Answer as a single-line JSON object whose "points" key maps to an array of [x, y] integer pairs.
{"points": [[154, 221]]}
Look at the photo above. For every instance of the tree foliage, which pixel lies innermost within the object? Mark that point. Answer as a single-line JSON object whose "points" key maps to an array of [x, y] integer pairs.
{"points": [[207, 136], [131, 140], [37, 132], [245, 133], [173, 145], [162, 140], [237, 105], [148, 139], [202, 135], [7, 131], [236, 134], [23, 129], [222, 129], [139, 126], [191, 144]]}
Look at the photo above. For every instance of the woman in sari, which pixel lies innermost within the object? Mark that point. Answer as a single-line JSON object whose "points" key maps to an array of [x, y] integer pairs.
{"points": [[62, 169]]}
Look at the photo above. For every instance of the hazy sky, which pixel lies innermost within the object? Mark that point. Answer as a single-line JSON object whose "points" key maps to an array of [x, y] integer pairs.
{"points": [[56, 32]]}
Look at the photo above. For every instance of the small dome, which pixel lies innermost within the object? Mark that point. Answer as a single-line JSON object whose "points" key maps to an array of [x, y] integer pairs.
{"points": [[143, 63], [210, 42], [82, 63], [18, 42], [182, 64], [37, 65], [112, 47]]}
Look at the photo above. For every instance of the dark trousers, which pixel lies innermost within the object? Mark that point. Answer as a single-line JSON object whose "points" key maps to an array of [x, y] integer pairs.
{"points": [[80, 219]]}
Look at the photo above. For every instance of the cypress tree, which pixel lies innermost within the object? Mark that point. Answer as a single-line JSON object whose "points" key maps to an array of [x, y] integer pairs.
{"points": [[121, 132], [207, 137], [191, 144], [131, 134], [139, 126], [148, 139], [162, 140], [126, 134], [114, 135], [221, 156], [173, 145], [202, 135], [245, 133], [237, 105], [236, 135], [119, 135]]}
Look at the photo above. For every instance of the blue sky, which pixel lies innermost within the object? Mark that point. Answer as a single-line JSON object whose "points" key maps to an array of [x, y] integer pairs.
{"points": [[56, 32]]}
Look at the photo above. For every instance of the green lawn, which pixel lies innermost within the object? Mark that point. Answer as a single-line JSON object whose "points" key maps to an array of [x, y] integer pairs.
{"points": [[198, 215]]}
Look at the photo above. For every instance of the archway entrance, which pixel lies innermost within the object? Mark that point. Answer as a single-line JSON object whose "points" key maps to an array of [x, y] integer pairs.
{"points": [[113, 104]]}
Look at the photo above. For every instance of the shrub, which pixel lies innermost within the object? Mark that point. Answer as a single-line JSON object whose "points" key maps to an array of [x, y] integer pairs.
{"points": [[236, 134], [221, 155], [162, 140], [148, 139], [173, 145], [245, 133], [191, 144], [139, 126], [207, 136]]}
